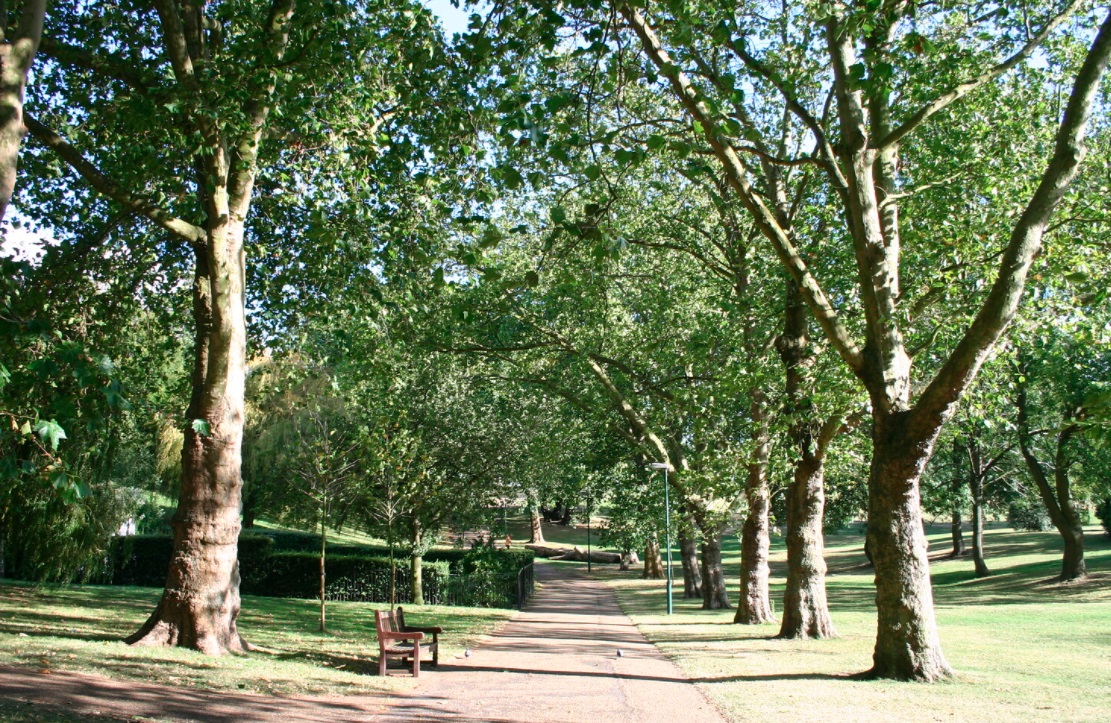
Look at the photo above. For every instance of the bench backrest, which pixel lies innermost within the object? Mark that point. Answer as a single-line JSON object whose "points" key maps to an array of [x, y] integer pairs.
{"points": [[385, 621]]}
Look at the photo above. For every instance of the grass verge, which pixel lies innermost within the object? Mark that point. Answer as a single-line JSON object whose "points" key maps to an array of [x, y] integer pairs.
{"points": [[1024, 647], [79, 629]]}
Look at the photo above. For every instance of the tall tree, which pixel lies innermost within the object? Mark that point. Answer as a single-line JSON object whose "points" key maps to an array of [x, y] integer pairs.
{"points": [[179, 105], [862, 172]]}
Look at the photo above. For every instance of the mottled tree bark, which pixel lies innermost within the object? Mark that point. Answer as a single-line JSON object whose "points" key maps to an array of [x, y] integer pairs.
{"points": [[16, 54], [978, 536], [715, 596], [200, 604], [692, 574], [536, 530], [907, 643], [805, 610], [754, 606]]}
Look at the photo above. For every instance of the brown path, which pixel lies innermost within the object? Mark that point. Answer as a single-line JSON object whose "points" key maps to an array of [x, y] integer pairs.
{"points": [[92, 695], [557, 661]]}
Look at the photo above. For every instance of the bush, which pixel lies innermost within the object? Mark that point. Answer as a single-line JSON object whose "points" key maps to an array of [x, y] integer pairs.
{"points": [[144, 560], [349, 577], [1028, 515], [477, 578], [1103, 512]]}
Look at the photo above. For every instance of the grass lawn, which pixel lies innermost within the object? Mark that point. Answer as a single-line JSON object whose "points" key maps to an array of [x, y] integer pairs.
{"points": [[79, 629], [1024, 647]]}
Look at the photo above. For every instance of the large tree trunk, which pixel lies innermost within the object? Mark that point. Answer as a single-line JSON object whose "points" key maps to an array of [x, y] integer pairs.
{"points": [[754, 606], [653, 563], [16, 54], [907, 644], [715, 596], [416, 563], [536, 531], [201, 601], [805, 611], [692, 575]]}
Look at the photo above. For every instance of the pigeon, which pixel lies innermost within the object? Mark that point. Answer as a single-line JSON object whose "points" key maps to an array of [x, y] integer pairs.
{"points": [[467, 653], [621, 653]]}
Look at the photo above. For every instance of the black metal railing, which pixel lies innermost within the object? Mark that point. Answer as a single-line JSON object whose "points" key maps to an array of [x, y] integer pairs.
{"points": [[526, 584], [476, 589]]}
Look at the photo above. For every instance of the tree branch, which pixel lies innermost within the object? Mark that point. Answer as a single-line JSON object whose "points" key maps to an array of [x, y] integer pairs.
{"points": [[963, 89], [1026, 237], [195, 235], [820, 306]]}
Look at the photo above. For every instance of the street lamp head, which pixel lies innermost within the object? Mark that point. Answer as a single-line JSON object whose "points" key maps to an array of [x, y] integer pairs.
{"points": [[659, 465]]}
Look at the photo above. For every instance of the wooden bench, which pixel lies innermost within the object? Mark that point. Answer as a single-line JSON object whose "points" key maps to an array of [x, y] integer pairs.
{"points": [[398, 640]]}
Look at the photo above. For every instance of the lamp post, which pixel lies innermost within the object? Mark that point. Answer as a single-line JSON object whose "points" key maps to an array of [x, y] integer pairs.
{"points": [[667, 528]]}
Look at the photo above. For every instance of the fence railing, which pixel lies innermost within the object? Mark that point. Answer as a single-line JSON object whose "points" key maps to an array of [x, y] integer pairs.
{"points": [[476, 589]]}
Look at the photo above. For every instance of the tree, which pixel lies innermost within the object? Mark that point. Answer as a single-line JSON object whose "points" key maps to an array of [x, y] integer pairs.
{"points": [[863, 178], [179, 106]]}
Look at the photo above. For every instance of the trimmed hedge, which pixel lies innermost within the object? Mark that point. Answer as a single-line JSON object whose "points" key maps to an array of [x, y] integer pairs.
{"points": [[462, 561], [480, 578], [349, 577], [143, 560]]}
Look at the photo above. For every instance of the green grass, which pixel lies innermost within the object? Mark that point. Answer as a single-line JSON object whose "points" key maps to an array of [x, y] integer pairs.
{"points": [[80, 628], [1024, 646], [555, 535]]}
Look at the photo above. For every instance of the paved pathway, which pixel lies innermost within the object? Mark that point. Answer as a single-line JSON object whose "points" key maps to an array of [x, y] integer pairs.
{"points": [[556, 661]]}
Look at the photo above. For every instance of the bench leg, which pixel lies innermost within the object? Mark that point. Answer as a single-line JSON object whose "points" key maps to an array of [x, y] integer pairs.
{"points": [[416, 661], [382, 664]]}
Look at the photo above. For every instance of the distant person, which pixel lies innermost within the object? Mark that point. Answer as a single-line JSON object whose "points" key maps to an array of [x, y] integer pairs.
{"points": [[508, 541]]}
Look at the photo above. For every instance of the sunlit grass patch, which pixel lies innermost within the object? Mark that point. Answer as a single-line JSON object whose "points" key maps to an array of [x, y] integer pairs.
{"points": [[81, 628], [1024, 646]]}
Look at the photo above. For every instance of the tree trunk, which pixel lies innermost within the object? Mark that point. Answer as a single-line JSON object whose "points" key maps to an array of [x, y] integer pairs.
{"points": [[653, 563], [201, 601], [323, 577], [692, 575], [1056, 495], [957, 533], [805, 610], [416, 564], [15, 60], [907, 643], [714, 594], [978, 533], [754, 606], [536, 530]]}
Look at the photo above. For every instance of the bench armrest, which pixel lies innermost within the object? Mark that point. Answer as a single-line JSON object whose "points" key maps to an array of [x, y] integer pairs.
{"points": [[433, 630]]}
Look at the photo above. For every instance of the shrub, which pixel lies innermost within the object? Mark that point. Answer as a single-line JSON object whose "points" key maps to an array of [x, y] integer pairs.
{"points": [[1103, 512], [1028, 515]]}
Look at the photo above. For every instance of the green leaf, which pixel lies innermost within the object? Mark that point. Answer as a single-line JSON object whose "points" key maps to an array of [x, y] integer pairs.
{"points": [[51, 432], [593, 172], [201, 427], [558, 214]]}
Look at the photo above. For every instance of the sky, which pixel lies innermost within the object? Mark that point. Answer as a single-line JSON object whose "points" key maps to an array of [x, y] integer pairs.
{"points": [[453, 19]]}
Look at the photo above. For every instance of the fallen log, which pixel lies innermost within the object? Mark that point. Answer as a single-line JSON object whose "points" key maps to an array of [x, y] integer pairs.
{"points": [[575, 554]]}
